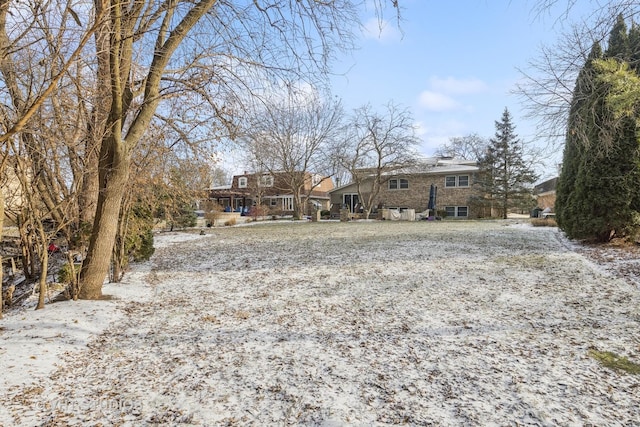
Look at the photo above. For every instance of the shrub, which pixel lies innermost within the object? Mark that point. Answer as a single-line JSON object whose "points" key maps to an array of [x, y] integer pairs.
{"points": [[544, 222], [65, 275], [230, 222], [258, 211], [139, 237], [142, 246], [212, 213]]}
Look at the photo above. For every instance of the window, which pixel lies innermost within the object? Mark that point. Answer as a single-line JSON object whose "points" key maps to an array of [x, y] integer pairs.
{"points": [[316, 180], [266, 181], [287, 203], [456, 181], [273, 202], [242, 182], [457, 211], [350, 201], [395, 184]]}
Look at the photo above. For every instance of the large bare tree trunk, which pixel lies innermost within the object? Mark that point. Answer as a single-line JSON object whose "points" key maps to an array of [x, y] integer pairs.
{"points": [[114, 172], [1, 228], [88, 198], [115, 153]]}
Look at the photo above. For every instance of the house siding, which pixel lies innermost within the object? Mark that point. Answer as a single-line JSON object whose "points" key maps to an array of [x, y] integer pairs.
{"points": [[547, 201], [254, 191], [546, 193], [416, 196]]}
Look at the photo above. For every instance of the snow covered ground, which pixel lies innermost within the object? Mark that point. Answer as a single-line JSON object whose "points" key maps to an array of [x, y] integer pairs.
{"points": [[365, 323]]}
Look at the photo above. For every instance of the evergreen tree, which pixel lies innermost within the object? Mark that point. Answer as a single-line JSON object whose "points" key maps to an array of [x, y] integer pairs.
{"points": [[618, 44], [634, 46], [598, 196], [507, 180], [566, 203]]}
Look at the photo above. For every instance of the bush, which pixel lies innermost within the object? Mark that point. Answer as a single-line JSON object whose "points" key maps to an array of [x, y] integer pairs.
{"points": [[230, 222], [258, 211], [544, 222], [139, 237], [212, 213], [65, 275], [142, 248]]}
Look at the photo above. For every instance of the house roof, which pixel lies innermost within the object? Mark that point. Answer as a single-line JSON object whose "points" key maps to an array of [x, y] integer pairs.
{"points": [[547, 186], [220, 187]]}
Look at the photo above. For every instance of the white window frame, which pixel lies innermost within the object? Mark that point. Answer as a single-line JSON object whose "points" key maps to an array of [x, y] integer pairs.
{"points": [[447, 179], [242, 182], [456, 211], [351, 205], [287, 203], [456, 181], [398, 184], [266, 181]]}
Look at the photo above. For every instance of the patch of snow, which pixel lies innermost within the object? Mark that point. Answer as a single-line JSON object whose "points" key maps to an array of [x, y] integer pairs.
{"points": [[359, 323]]}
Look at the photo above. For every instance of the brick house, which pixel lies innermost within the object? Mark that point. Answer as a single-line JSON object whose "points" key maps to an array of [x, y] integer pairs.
{"points": [[545, 194], [409, 189], [272, 190]]}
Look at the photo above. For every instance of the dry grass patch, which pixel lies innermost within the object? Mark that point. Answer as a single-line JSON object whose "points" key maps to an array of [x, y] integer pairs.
{"points": [[544, 222]]}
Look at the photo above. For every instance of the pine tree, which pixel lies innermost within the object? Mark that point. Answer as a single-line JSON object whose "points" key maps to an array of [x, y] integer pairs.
{"points": [[507, 179]]}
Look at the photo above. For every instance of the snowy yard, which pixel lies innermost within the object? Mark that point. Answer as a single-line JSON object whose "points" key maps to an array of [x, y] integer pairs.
{"points": [[366, 323]]}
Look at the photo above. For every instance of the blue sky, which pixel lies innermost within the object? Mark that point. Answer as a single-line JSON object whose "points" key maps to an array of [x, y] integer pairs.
{"points": [[454, 66]]}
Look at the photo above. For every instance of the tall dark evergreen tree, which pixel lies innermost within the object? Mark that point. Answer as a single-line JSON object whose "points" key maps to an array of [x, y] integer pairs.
{"points": [[634, 46], [507, 180], [618, 46], [575, 142], [598, 196]]}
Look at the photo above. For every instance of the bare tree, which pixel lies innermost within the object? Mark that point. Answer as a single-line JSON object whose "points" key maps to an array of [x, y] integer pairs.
{"points": [[470, 147], [36, 236], [57, 52], [3, 160], [291, 138], [548, 81], [377, 145], [164, 182], [39, 47], [141, 54]]}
